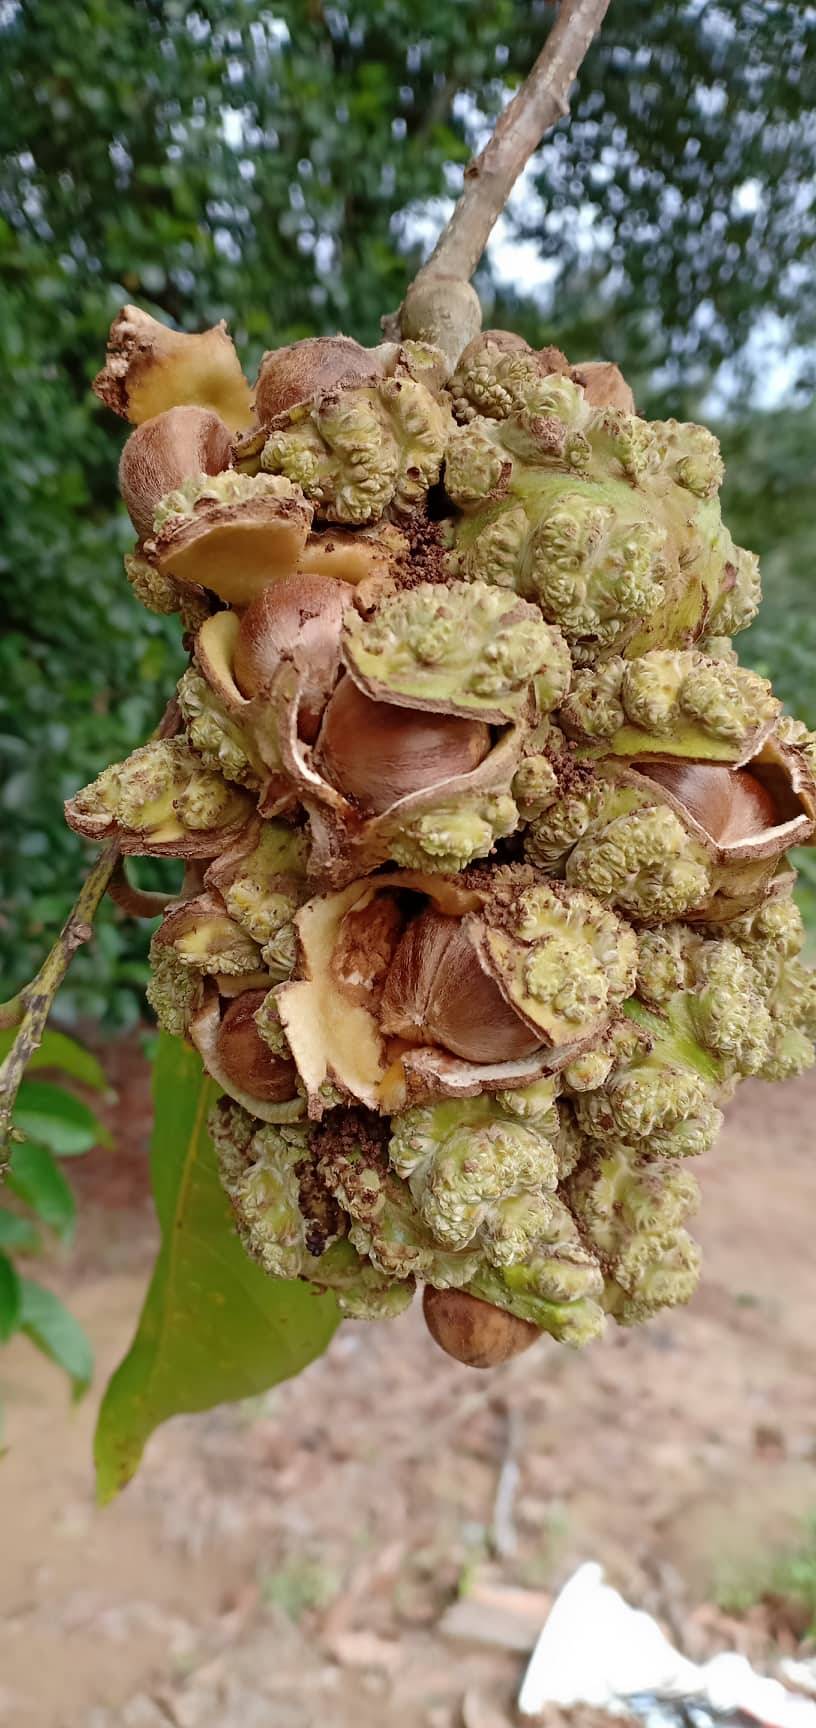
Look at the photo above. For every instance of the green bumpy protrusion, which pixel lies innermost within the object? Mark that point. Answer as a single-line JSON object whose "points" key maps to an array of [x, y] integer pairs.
{"points": [[563, 960], [229, 487], [215, 736], [642, 861], [360, 452], [162, 784], [173, 990], [265, 892], [558, 1287], [770, 939], [478, 1174], [451, 836], [465, 648], [385, 1224], [287, 1222], [670, 702], [610, 523], [714, 985], [631, 1210], [660, 1095], [159, 593]]}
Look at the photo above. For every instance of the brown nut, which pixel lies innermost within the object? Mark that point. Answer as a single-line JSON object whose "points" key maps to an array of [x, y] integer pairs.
{"points": [[246, 1060], [164, 451], [437, 993], [604, 385], [473, 1331], [731, 804], [305, 369], [304, 612], [376, 753]]}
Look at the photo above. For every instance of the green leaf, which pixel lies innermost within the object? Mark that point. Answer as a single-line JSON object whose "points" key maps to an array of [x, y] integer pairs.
{"points": [[57, 1050], [10, 1299], [17, 1232], [37, 1179], [48, 1324], [48, 1113], [214, 1327]]}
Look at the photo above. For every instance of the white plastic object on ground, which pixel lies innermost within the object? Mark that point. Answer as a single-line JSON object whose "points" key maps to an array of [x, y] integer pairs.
{"points": [[595, 1649]]}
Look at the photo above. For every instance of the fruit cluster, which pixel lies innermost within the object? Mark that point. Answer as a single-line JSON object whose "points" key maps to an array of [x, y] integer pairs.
{"points": [[485, 906]]}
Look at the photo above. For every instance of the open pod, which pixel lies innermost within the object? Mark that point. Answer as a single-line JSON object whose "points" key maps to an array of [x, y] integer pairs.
{"points": [[459, 816], [150, 368], [237, 1070], [161, 803], [387, 1012], [671, 839], [229, 534]]}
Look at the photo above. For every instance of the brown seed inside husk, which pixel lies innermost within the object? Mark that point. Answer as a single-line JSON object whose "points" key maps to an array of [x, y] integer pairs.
{"points": [[304, 369], [731, 804], [436, 992], [165, 451], [376, 753], [299, 616], [473, 1331], [246, 1060]]}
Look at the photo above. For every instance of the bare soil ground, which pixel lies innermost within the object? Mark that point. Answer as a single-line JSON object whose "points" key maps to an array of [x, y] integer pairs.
{"points": [[292, 1562]]}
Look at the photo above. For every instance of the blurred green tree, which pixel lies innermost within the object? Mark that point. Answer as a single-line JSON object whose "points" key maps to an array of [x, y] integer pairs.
{"points": [[283, 165]]}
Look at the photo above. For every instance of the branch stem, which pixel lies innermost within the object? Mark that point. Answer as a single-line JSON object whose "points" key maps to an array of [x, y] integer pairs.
{"points": [[440, 305], [539, 103], [30, 1008]]}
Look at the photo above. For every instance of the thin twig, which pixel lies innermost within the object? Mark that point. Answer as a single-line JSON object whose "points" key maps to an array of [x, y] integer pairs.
{"points": [[503, 1536], [538, 104], [30, 1008]]}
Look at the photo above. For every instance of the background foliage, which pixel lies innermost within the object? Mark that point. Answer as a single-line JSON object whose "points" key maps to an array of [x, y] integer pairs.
{"points": [[284, 165]]}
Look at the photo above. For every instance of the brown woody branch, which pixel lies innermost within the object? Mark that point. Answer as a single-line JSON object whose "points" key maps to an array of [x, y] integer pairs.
{"points": [[440, 306]]}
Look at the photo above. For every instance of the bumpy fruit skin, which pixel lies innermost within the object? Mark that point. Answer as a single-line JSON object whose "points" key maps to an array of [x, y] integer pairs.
{"points": [[161, 802], [359, 452], [214, 734], [486, 909], [288, 1221], [671, 702], [460, 649], [632, 1212], [609, 522], [477, 1174]]}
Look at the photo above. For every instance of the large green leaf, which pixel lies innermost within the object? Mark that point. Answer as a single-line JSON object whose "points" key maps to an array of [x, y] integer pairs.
{"points": [[49, 1114], [54, 1331], [10, 1299], [17, 1233], [37, 1178], [57, 1050], [214, 1327]]}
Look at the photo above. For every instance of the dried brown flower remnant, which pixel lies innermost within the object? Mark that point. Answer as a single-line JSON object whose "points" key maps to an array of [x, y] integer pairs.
{"points": [[150, 368]]}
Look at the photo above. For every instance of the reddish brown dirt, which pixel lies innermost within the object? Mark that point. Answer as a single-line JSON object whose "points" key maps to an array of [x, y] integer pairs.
{"points": [[287, 1563]]}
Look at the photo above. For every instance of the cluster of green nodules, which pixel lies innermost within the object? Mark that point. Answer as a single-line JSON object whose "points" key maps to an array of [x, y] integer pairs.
{"points": [[548, 572], [562, 1201]]}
